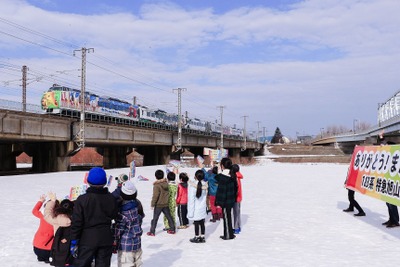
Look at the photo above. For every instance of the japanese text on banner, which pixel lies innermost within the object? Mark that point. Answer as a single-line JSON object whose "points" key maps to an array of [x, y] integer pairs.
{"points": [[375, 171]]}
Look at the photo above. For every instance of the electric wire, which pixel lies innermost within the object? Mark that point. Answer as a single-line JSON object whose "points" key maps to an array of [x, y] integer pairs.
{"points": [[199, 101]]}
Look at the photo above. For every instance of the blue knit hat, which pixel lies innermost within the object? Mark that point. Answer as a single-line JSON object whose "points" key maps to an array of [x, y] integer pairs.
{"points": [[97, 176]]}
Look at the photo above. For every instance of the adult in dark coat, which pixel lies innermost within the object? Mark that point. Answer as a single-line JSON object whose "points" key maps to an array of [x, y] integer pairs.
{"points": [[226, 195], [353, 204], [91, 223]]}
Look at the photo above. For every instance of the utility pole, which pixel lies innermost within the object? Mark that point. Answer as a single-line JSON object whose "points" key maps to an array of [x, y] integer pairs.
{"points": [[263, 134], [221, 143], [179, 141], [244, 133], [355, 126], [24, 71], [134, 100], [80, 137], [258, 131]]}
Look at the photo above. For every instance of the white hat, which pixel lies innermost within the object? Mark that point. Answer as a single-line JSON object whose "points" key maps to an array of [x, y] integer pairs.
{"points": [[128, 188]]}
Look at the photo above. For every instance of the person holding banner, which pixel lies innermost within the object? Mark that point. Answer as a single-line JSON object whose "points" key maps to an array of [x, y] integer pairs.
{"points": [[392, 209], [354, 204]]}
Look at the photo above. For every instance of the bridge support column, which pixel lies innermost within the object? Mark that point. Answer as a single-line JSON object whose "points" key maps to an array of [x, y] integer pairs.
{"points": [[234, 154], [50, 157], [155, 155], [248, 153], [260, 152], [8, 161], [251, 153], [176, 155], [197, 151], [114, 157]]}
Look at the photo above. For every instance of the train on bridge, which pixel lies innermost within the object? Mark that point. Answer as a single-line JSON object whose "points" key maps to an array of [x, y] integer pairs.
{"points": [[65, 101]]}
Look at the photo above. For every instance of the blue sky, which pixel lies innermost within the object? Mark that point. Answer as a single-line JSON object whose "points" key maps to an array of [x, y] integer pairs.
{"points": [[297, 65], [90, 7]]}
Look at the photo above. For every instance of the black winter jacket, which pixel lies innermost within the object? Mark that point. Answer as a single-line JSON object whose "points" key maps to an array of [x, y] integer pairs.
{"points": [[226, 191], [92, 216], [60, 255]]}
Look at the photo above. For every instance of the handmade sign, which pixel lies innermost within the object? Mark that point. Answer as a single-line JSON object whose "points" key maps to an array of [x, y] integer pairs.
{"points": [[375, 172]]}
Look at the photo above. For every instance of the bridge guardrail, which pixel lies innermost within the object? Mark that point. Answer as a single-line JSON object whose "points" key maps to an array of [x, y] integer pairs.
{"points": [[18, 106]]}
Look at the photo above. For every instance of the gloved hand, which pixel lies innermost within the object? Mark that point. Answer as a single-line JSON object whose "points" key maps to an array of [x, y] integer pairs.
{"points": [[74, 248]]}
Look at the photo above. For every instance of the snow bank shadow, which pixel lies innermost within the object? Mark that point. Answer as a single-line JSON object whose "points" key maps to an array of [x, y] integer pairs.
{"points": [[373, 218], [156, 258]]}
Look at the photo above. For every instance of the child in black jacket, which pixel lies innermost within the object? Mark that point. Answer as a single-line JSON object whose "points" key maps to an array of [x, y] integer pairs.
{"points": [[91, 222]]}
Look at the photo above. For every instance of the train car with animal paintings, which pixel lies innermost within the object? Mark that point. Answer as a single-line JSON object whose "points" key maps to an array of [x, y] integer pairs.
{"points": [[66, 101]]}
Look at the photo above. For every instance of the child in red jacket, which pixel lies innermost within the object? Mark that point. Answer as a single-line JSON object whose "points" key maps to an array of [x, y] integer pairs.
{"points": [[182, 200], [44, 235], [236, 206]]}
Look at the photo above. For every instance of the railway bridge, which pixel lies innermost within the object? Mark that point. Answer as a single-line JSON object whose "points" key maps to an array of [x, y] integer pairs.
{"points": [[49, 140]]}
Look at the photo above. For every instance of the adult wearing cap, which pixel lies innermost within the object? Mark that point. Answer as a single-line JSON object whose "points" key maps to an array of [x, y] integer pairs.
{"points": [[91, 222]]}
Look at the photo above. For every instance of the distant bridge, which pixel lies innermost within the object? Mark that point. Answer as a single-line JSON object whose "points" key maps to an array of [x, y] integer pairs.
{"points": [[388, 121]]}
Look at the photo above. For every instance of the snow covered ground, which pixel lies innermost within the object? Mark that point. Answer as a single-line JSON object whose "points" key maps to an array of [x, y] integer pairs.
{"points": [[291, 215]]}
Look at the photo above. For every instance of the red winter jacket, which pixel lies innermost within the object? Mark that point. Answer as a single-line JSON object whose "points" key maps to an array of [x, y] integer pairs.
{"points": [[239, 193], [182, 195], [44, 235]]}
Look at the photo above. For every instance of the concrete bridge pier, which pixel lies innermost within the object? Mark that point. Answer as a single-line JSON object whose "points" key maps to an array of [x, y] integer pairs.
{"points": [[260, 151], [196, 151], [8, 154], [234, 154], [114, 157], [249, 153], [50, 157], [155, 155], [175, 155]]}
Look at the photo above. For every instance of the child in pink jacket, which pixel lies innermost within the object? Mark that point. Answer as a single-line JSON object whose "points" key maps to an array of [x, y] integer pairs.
{"points": [[182, 201]]}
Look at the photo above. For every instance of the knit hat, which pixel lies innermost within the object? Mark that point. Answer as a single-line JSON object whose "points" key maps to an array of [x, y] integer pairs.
{"points": [[97, 176], [122, 178], [128, 191]]}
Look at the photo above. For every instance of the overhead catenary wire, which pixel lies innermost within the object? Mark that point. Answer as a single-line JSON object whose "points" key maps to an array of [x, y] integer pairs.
{"points": [[203, 103]]}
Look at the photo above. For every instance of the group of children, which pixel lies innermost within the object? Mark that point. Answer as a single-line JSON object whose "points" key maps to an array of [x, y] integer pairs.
{"points": [[77, 233], [217, 190]]}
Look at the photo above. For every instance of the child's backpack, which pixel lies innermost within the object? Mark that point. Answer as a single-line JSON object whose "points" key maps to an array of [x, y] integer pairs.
{"points": [[60, 253]]}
